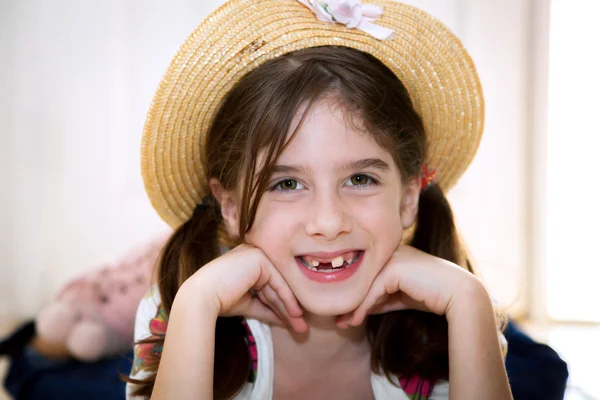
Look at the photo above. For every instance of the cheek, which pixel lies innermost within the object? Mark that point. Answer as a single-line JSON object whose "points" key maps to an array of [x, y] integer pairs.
{"points": [[382, 219], [383, 225], [272, 230]]}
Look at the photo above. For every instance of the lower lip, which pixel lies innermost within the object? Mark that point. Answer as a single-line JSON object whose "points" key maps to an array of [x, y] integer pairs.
{"points": [[335, 276]]}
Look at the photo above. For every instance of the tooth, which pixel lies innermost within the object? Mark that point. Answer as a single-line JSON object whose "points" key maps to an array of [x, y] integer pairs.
{"points": [[314, 263], [337, 262], [349, 258]]}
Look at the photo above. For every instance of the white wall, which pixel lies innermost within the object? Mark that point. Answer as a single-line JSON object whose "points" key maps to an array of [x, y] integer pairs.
{"points": [[77, 78], [573, 140]]}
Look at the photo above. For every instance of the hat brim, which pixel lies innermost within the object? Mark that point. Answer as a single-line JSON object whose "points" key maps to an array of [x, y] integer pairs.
{"points": [[240, 35]]}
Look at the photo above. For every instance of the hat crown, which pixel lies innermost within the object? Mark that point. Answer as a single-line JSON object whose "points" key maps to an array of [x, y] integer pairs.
{"points": [[240, 35]]}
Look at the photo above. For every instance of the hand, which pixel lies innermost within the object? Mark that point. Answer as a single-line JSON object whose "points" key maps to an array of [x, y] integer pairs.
{"points": [[411, 279], [244, 282]]}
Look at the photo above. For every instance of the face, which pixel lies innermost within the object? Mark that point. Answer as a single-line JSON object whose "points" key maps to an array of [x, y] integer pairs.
{"points": [[333, 214]]}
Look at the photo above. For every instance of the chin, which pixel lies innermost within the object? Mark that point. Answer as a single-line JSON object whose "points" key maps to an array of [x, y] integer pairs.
{"points": [[330, 306]]}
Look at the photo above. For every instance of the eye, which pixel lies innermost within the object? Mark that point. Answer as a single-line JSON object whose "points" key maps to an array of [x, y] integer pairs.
{"points": [[288, 185], [363, 180]]}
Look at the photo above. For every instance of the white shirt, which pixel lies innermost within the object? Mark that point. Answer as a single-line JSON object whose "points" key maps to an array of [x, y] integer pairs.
{"points": [[262, 388]]}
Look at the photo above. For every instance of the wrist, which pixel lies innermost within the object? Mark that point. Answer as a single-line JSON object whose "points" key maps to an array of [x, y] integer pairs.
{"points": [[198, 298], [471, 299]]}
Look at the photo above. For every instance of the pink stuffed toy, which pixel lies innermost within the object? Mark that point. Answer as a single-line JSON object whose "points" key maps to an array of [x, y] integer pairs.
{"points": [[94, 316]]}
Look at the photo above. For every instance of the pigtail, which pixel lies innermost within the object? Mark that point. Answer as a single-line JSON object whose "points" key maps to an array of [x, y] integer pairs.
{"points": [[414, 343], [435, 232], [192, 245]]}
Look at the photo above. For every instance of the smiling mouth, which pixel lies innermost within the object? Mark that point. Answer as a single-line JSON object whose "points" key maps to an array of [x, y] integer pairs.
{"points": [[338, 263]]}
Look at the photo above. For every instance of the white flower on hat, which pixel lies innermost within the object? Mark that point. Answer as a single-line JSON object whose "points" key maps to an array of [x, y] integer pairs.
{"points": [[351, 13], [347, 12]]}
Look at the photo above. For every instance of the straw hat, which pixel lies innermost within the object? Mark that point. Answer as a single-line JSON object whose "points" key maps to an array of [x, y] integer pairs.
{"points": [[242, 34]]}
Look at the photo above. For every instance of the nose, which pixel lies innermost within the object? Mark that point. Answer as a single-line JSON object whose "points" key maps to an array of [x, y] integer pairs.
{"points": [[327, 217]]}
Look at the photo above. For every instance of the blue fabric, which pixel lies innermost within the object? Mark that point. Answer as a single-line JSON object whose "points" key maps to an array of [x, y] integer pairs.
{"points": [[535, 370], [34, 377]]}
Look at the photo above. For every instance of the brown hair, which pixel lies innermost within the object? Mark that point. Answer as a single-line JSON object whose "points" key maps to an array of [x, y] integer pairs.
{"points": [[256, 116]]}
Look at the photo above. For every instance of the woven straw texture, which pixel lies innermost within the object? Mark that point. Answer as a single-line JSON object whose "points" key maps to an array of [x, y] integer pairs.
{"points": [[240, 35]]}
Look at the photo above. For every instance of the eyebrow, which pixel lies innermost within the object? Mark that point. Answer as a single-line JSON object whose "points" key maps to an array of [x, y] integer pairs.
{"points": [[363, 163]]}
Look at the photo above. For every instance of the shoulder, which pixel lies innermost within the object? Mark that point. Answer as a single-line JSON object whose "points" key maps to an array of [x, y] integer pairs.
{"points": [[416, 388], [150, 321], [150, 318]]}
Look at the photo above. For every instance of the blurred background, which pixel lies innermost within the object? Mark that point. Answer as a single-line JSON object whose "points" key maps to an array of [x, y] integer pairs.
{"points": [[76, 79]]}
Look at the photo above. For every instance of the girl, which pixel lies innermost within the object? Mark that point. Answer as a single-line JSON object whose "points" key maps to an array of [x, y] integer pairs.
{"points": [[303, 165]]}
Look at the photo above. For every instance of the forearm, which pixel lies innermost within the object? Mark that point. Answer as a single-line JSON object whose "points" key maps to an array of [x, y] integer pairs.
{"points": [[187, 360], [476, 364]]}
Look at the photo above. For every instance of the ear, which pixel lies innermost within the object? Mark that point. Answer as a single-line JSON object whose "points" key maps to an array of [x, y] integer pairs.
{"points": [[229, 207], [409, 206]]}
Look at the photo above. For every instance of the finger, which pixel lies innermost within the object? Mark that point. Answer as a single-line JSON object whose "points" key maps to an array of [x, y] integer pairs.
{"points": [[298, 324], [269, 275], [257, 310], [394, 302], [284, 295], [280, 286], [274, 301], [374, 296], [251, 307], [343, 321], [267, 303], [384, 304]]}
